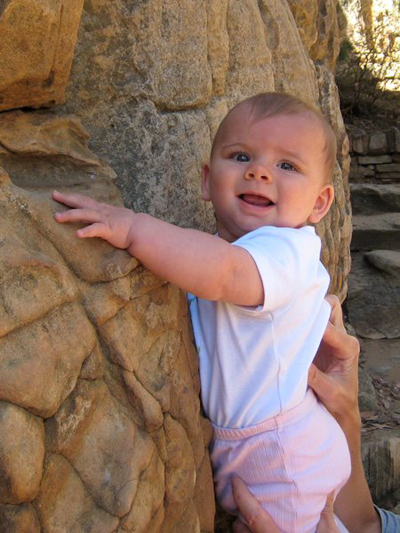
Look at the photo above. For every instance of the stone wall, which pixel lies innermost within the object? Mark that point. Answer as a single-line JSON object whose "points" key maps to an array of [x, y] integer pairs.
{"points": [[375, 155], [100, 423]]}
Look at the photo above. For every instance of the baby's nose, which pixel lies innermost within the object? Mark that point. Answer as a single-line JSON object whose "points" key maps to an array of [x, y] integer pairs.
{"points": [[259, 172]]}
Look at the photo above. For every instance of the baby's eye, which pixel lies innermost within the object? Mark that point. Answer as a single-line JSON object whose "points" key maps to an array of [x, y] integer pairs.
{"points": [[242, 158], [285, 165]]}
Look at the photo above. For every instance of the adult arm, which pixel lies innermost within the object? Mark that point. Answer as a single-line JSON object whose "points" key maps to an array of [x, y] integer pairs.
{"points": [[334, 378]]}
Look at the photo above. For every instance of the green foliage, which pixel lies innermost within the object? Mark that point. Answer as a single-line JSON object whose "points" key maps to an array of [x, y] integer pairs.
{"points": [[368, 70]]}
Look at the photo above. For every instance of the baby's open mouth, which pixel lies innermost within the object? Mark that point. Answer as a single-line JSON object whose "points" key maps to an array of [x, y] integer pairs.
{"points": [[255, 199]]}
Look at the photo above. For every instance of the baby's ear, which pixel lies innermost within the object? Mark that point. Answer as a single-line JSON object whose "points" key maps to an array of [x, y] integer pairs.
{"points": [[205, 183], [322, 204]]}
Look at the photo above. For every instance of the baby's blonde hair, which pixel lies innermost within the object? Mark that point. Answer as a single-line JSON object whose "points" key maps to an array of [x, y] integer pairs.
{"points": [[270, 104]]}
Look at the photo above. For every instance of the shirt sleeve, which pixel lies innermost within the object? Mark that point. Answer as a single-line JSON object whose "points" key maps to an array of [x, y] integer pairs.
{"points": [[287, 260]]}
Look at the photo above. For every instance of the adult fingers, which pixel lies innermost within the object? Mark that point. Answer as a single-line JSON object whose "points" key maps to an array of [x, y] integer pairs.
{"points": [[344, 346], [327, 521], [239, 527], [336, 317], [322, 385], [255, 516]]}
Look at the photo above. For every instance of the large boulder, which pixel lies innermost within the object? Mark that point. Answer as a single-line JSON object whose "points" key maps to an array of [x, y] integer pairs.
{"points": [[151, 82], [100, 422]]}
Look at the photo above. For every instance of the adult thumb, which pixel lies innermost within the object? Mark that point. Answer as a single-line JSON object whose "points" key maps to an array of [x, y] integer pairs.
{"points": [[319, 382]]}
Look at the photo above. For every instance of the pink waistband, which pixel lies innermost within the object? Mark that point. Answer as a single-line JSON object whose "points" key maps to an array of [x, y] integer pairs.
{"points": [[277, 422]]}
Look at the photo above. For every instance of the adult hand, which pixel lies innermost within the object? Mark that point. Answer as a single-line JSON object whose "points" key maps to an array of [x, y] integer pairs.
{"points": [[258, 519], [334, 374]]}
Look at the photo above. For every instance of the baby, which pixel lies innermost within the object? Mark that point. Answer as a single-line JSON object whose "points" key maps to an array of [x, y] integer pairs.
{"points": [[257, 293]]}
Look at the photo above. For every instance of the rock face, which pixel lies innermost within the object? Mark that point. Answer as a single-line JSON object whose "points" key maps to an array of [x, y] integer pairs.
{"points": [[152, 82], [100, 423], [37, 41]]}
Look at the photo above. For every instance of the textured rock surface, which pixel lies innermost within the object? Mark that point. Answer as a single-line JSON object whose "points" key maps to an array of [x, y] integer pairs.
{"points": [[100, 425], [151, 82], [381, 459], [97, 366], [37, 42]]}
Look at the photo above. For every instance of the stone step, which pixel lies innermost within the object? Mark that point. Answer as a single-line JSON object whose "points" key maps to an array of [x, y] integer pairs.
{"points": [[376, 232], [372, 198], [373, 299]]}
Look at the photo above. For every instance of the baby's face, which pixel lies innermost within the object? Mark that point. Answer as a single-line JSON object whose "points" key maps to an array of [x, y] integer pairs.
{"points": [[268, 172]]}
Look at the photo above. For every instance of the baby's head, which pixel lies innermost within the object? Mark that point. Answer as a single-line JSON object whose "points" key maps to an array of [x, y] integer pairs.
{"points": [[271, 163]]}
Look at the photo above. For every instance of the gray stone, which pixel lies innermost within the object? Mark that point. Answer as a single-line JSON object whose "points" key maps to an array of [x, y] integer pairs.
{"points": [[359, 141], [394, 139], [373, 301], [377, 144], [386, 260], [367, 399], [381, 231], [381, 357], [373, 159], [381, 459], [390, 167], [366, 172], [371, 198], [389, 177]]}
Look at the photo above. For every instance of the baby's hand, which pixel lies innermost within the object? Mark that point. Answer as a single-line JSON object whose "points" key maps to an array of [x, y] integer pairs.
{"points": [[113, 224]]}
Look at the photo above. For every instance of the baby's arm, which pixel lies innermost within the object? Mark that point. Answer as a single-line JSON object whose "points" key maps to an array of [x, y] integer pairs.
{"points": [[197, 262]]}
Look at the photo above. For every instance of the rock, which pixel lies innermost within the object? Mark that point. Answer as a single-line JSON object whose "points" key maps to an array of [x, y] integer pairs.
{"points": [[46, 135], [37, 41], [386, 260], [381, 358], [374, 159], [394, 139], [367, 398], [381, 231], [90, 341], [389, 177], [63, 504], [102, 445], [370, 198], [18, 519], [388, 168], [377, 144], [373, 301], [157, 140], [359, 141], [54, 365], [41, 362], [381, 459], [318, 28], [21, 437]]}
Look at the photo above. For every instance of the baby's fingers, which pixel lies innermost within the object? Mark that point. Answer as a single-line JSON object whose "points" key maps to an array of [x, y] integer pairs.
{"points": [[74, 200], [94, 230], [78, 215]]}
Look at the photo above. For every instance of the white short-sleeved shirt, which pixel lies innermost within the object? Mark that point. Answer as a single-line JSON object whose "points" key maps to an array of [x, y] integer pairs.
{"points": [[254, 361]]}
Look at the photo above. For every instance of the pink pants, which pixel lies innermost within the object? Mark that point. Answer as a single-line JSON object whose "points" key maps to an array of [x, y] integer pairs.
{"points": [[290, 463]]}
